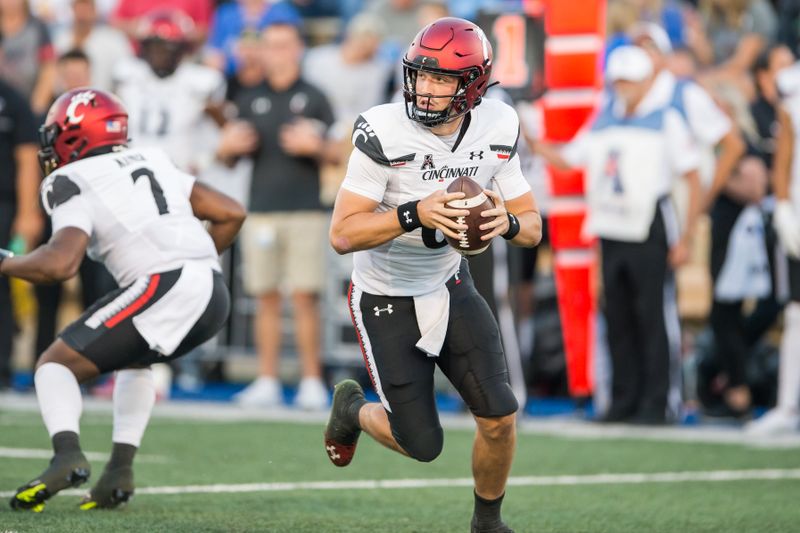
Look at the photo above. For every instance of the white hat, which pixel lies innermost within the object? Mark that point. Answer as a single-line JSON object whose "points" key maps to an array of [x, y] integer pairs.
{"points": [[628, 63], [654, 32]]}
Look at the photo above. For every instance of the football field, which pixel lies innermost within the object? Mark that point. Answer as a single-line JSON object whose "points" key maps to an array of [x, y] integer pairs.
{"points": [[214, 468]]}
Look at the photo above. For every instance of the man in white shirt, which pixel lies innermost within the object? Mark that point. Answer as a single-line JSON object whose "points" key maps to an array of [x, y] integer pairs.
{"points": [[632, 152]]}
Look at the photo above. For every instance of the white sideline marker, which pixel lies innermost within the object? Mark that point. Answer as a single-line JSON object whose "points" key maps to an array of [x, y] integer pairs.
{"points": [[520, 481]]}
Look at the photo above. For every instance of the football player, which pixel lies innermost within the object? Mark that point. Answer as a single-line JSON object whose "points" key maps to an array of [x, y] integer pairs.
{"points": [[137, 213], [412, 300], [171, 101]]}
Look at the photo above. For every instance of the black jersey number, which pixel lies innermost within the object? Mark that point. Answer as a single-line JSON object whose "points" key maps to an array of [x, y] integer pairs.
{"points": [[158, 192]]}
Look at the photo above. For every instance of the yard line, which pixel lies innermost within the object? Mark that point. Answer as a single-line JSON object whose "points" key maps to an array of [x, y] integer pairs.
{"points": [[41, 453], [518, 481]]}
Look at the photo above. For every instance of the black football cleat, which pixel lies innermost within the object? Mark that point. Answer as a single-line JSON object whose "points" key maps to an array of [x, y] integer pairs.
{"points": [[342, 431], [495, 527], [66, 470], [113, 489]]}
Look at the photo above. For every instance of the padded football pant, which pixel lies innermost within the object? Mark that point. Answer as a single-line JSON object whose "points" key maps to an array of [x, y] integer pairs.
{"points": [[472, 359], [642, 323], [7, 212], [116, 344]]}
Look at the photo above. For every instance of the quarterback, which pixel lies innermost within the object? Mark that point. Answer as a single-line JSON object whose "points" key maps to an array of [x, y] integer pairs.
{"points": [[412, 300], [134, 211]]}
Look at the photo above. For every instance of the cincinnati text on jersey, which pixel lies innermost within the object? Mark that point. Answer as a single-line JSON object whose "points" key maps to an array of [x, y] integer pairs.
{"points": [[446, 173]]}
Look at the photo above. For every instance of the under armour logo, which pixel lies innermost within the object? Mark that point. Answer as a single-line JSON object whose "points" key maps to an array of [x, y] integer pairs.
{"points": [[332, 452], [407, 214], [473, 155], [378, 310]]}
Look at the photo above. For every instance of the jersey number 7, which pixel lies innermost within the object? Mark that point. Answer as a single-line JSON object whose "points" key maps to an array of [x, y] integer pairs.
{"points": [[158, 192]]}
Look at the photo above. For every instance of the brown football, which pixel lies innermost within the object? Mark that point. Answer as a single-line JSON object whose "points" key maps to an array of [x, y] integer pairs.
{"points": [[476, 202]]}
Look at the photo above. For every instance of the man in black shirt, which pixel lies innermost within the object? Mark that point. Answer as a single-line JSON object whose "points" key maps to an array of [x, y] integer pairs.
{"points": [[19, 209], [284, 239]]}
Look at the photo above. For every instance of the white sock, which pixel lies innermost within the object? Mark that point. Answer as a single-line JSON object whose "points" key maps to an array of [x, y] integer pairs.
{"points": [[134, 397], [59, 398], [789, 369]]}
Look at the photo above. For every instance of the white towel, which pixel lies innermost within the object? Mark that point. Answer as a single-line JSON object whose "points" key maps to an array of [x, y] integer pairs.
{"points": [[166, 323], [433, 311]]}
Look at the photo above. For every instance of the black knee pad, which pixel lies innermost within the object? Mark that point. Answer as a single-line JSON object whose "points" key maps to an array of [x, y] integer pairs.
{"points": [[424, 445], [491, 398]]}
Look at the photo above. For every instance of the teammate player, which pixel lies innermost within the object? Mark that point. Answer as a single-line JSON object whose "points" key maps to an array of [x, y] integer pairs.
{"points": [[412, 299], [171, 100], [138, 214]]}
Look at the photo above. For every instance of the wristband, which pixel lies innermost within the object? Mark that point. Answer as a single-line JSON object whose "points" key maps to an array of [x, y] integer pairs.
{"points": [[408, 216], [513, 227]]}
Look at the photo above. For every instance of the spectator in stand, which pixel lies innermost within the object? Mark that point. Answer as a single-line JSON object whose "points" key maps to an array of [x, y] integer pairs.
{"points": [[58, 15], [128, 12], [105, 46], [351, 74], [29, 63], [763, 109], [233, 19], [402, 26], [740, 270], [249, 69], [291, 118], [20, 216], [736, 32]]}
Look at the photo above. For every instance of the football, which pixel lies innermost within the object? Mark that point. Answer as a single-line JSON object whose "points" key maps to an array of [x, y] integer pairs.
{"points": [[476, 201]]}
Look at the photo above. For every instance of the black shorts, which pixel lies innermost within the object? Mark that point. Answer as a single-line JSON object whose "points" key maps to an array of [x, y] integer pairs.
{"points": [[111, 341], [472, 357]]}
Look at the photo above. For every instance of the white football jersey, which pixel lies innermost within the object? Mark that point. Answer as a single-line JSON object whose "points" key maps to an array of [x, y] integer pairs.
{"points": [[398, 160], [169, 112], [134, 205]]}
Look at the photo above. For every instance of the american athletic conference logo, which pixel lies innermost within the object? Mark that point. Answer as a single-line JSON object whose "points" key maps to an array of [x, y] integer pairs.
{"points": [[427, 163]]}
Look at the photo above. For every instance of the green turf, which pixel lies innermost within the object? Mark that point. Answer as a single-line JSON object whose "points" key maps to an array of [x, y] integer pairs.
{"points": [[207, 452]]}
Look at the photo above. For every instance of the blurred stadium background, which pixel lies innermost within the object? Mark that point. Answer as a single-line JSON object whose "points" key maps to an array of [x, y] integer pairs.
{"points": [[212, 463]]}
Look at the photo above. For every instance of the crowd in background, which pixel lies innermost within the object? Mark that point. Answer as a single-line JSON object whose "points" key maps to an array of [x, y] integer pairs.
{"points": [[268, 91]]}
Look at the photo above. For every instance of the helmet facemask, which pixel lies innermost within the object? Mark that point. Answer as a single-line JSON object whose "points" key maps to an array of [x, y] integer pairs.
{"points": [[48, 158], [458, 106]]}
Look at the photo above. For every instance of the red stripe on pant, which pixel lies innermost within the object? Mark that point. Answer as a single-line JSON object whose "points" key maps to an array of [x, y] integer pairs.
{"points": [[137, 304], [358, 335]]}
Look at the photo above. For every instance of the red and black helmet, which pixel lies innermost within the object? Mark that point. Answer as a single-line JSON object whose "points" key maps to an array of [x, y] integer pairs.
{"points": [[164, 36], [452, 47], [78, 123]]}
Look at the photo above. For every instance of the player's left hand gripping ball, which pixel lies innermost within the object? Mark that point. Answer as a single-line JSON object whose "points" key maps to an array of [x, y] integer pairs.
{"points": [[476, 202]]}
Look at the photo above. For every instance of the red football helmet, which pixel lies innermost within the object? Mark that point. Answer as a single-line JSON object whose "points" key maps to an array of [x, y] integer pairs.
{"points": [[453, 47], [78, 123], [164, 37]]}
